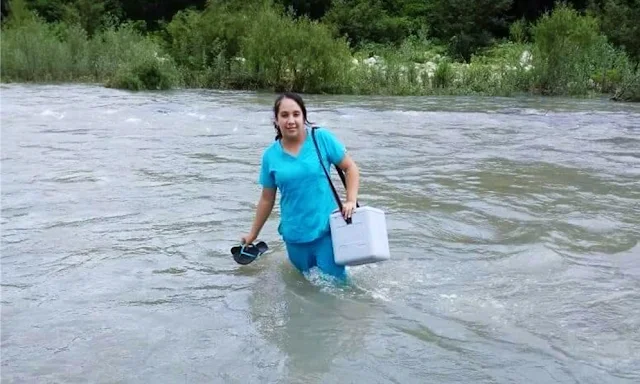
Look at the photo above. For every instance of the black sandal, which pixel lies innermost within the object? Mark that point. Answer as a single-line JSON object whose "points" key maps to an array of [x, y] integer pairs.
{"points": [[247, 254]]}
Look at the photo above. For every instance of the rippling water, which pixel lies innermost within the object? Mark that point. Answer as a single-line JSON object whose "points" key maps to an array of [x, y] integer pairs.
{"points": [[514, 227]]}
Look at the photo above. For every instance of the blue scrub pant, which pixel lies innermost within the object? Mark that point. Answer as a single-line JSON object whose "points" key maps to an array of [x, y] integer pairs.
{"points": [[319, 252]]}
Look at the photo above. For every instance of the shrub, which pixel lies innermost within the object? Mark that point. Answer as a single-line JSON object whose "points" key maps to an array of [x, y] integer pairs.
{"points": [[629, 89], [299, 55], [568, 50]]}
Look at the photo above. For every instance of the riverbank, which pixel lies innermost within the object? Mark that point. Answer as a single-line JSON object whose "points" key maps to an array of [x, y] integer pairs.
{"points": [[566, 56]]}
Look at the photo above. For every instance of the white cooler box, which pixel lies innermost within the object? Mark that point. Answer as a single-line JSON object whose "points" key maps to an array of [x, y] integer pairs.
{"points": [[363, 241]]}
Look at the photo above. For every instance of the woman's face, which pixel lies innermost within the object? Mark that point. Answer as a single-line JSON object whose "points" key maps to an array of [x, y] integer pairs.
{"points": [[290, 119]]}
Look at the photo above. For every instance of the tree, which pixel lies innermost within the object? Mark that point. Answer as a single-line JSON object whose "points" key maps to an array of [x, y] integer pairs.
{"points": [[466, 25], [620, 21]]}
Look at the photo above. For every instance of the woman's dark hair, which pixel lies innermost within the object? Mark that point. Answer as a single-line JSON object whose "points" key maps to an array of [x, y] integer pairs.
{"points": [[276, 108]]}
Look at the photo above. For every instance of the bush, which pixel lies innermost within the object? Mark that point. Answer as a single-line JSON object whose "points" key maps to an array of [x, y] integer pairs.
{"points": [[35, 51], [299, 55], [569, 50], [443, 76], [32, 51], [366, 21], [198, 39], [518, 31], [146, 71], [630, 88]]}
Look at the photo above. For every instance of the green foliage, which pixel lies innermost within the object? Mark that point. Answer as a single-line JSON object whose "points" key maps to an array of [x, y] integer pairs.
{"points": [[133, 61], [145, 72], [36, 51], [518, 31], [207, 45], [256, 45], [496, 71], [411, 50], [569, 50], [630, 88], [466, 25], [365, 21], [300, 55], [194, 39], [84, 13], [443, 76], [402, 47], [620, 21], [92, 15], [313, 9], [18, 13], [501, 70]]}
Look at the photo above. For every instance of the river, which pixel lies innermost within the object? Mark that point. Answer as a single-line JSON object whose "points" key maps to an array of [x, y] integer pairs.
{"points": [[513, 225]]}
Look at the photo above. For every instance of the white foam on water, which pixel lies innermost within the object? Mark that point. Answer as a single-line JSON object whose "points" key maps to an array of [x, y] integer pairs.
{"points": [[57, 115], [321, 280], [366, 278], [199, 116]]}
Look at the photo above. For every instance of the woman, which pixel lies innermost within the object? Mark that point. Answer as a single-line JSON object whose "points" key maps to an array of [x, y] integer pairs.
{"points": [[291, 164]]}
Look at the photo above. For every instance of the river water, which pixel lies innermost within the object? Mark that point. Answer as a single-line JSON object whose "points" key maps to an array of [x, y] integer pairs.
{"points": [[513, 225]]}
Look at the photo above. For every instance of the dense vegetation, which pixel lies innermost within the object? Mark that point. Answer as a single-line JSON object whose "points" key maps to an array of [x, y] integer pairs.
{"points": [[401, 47]]}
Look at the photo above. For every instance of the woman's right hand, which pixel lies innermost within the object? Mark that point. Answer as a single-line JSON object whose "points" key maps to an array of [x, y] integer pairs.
{"points": [[249, 238]]}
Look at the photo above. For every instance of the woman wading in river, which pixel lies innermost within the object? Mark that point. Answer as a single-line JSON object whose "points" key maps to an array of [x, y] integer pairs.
{"points": [[291, 165]]}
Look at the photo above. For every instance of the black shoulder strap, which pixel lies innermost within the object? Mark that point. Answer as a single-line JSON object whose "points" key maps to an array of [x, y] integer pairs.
{"points": [[340, 172]]}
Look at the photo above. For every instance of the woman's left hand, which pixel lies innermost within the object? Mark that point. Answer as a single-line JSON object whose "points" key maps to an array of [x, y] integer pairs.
{"points": [[348, 208]]}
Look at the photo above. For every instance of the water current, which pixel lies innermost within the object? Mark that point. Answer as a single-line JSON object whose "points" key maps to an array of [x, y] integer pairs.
{"points": [[513, 225]]}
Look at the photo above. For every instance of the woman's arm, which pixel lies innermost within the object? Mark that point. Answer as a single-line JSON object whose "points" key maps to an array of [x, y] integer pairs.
{"points": [[352, 174], [265, 206]]}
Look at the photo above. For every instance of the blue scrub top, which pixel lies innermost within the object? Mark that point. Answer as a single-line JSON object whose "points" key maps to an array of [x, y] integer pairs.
{"points": [[306, 199]]}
